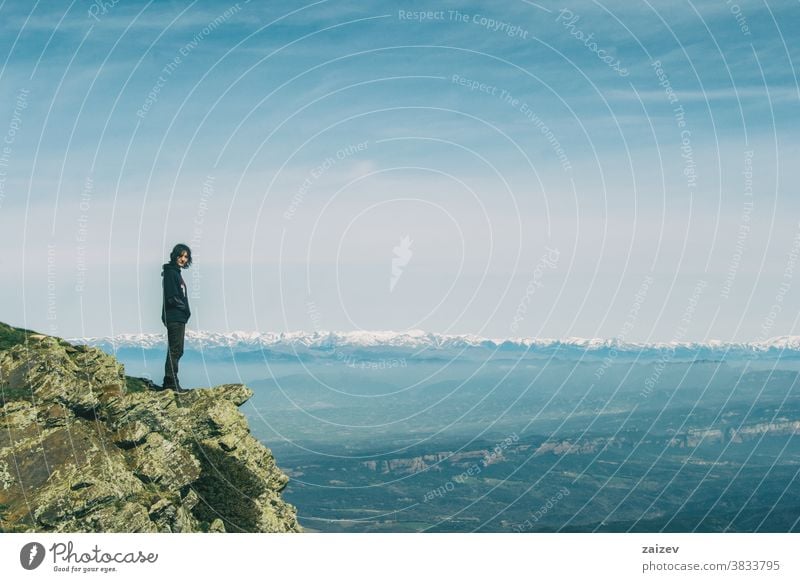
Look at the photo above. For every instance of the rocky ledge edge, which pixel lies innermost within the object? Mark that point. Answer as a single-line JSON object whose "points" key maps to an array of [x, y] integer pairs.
{"points": [[85, 448]]}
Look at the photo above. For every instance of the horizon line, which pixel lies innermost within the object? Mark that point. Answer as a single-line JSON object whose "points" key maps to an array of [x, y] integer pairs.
{"points": [[614, 340]]}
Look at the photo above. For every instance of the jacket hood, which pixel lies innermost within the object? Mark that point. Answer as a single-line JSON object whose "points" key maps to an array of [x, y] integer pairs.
{"points": [[166, 266]]}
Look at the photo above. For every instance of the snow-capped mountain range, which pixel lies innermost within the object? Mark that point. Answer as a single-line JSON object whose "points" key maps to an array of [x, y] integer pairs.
{"points": [[428, 344]]}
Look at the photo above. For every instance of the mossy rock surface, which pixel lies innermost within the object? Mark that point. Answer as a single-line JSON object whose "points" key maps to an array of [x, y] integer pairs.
{"points": [[87, 449], [12, 336]]}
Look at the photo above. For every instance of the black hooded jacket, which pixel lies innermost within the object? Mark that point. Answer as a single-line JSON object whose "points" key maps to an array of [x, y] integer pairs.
{"points": [[176, 301]]}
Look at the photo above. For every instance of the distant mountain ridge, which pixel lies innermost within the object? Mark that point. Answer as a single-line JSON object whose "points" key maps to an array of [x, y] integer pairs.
{"points": [[427, 344]]}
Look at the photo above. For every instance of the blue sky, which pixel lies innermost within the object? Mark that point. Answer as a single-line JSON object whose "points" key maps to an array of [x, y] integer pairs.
{"points": [[295, 145]]}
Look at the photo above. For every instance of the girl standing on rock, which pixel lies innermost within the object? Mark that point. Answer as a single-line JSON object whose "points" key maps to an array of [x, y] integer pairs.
{"points": [[175, 312]]}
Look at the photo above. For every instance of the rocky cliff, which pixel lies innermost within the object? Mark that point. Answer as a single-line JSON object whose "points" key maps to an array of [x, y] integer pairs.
{"points": [[84, 448]]}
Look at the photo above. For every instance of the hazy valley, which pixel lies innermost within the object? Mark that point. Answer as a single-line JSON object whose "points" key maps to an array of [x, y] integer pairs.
{"points": [[380, 438]]}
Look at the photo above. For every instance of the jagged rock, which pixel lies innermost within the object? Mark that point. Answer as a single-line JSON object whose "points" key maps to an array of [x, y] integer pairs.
{"points": [[162, 461], [131, 434], [81, 451]]}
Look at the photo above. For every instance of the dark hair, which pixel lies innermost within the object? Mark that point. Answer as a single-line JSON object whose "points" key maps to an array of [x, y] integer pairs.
{"points": [[177, 251]]}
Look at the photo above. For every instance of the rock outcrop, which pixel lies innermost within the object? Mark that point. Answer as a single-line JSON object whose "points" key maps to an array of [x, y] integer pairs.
{"points": [[84, 448]]}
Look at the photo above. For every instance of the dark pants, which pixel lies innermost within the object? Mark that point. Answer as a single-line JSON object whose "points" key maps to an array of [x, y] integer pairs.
{"points": [[175, 333]]}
